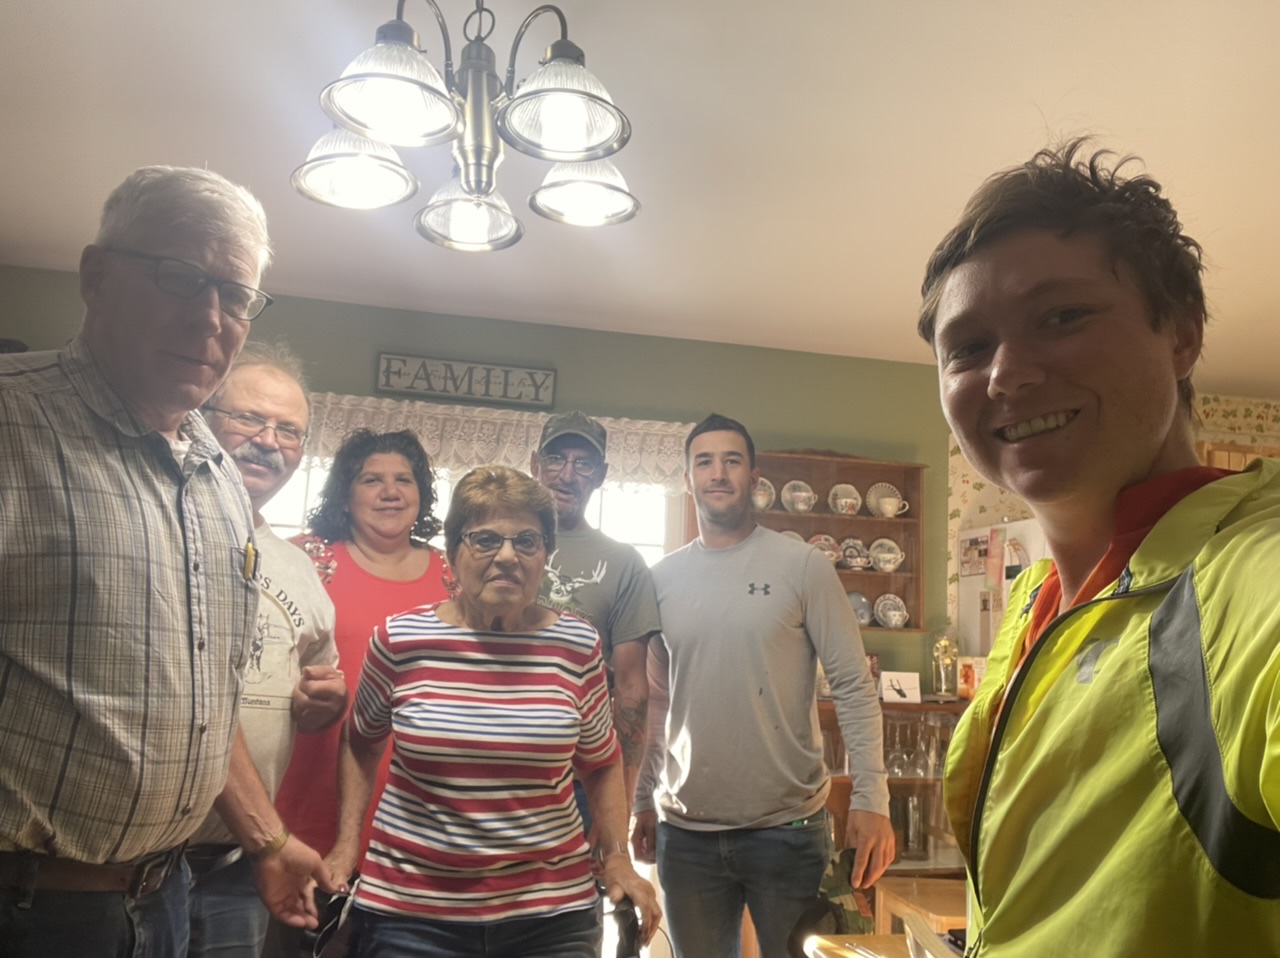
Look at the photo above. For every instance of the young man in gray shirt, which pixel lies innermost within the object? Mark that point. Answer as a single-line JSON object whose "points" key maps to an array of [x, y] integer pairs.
{"points": [[733, 766]]}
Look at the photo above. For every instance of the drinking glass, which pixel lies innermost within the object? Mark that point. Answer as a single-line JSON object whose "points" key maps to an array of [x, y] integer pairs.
{"points": [[916, 844], [918, 759], [896, 761]]}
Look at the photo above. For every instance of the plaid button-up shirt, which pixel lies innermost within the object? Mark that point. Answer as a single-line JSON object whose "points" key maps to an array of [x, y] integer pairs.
{"points": [[126, 610]]}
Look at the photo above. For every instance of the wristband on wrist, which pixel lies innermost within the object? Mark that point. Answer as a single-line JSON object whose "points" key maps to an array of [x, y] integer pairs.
{"points": [[609, 849], [272, 845]]}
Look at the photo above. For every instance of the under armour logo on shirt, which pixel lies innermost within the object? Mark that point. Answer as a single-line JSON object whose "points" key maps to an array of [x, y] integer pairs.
{"points": [[752, 589]]}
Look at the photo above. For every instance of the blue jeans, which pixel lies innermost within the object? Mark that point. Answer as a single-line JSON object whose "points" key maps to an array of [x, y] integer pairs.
{"points": [[228, 919], [707, 878], [572, 934], [96, 924]]}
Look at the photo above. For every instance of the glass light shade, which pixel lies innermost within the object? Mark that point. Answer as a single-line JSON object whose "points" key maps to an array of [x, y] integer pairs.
{"points": [[460, 221], [562, 112], [391, 92], [352, 171], [585, 194]]}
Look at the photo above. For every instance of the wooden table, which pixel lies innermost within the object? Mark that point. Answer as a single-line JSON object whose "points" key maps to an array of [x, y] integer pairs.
{"points": [[939, 901], [860, 946]]}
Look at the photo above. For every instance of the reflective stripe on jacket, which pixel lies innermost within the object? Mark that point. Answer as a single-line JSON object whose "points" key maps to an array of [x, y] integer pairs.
{"points": [[1127, 800]]}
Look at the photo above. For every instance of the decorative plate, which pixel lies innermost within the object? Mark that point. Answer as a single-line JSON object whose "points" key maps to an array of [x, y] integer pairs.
{"points": [[875, 492], [861, 608], [891, 611], [854, 554], [844, 499], [792, 534], [798, 496], [886, 555], [826, 545], [763, 496]]}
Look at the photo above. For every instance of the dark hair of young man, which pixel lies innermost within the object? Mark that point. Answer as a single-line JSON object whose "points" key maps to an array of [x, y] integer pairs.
{"points": [[718, 423], [1061, 190]]}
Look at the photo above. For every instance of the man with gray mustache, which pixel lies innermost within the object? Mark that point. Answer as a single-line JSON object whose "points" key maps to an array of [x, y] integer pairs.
{"points": [[259, 416]]}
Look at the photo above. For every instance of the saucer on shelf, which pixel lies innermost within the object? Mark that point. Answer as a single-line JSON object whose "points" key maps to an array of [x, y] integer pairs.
{"points": [[886, 555], [874, 494], [844, 499], [861, 608], [763, 496], [792, 534], [891, 611], [826, 545], [854, 554], [797, 496]]}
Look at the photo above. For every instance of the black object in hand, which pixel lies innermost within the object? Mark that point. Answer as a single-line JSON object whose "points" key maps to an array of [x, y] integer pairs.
{"points": [[624, 915]]}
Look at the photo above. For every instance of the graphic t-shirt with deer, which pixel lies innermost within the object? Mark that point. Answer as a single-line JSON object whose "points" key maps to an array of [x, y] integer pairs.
{"points": [[603, 581]]}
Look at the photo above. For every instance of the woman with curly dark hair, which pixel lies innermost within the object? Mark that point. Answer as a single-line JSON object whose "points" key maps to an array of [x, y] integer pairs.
{"points": [[368, 540]]}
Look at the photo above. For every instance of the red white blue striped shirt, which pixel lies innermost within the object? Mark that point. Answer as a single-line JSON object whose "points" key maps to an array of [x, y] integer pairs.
{"points": [[478, 820]]}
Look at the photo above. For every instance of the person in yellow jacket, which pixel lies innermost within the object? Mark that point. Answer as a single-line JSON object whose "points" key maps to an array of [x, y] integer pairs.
{"points": [[1115, 784]]}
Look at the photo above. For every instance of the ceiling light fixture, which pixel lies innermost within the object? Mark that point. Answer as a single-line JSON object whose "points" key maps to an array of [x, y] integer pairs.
{"points": [[391, 96]]}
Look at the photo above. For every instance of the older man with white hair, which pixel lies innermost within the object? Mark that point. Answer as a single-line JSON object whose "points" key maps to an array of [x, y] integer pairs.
{"points": [[127, 566]]}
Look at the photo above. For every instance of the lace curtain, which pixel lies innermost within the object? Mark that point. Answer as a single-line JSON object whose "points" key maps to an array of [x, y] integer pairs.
{"points": [[457, 438]]}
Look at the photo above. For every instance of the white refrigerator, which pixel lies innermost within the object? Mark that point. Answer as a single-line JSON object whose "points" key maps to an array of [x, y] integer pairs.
{"points": [[990, 558]]}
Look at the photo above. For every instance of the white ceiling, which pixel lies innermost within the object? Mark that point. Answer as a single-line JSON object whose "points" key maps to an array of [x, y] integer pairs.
{"points": [[796, 163]]}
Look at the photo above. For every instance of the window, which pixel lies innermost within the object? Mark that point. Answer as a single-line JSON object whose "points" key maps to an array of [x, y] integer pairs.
{"points": [[643, 515], [636, 513]]}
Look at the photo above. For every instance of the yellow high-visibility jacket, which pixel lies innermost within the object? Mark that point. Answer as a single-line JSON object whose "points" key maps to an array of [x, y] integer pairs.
{"points": [[1126, 802]]}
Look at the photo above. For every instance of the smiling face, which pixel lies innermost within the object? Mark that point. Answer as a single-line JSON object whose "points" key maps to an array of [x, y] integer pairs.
{"points": [[384, 499], [163, 355], [270, 394], [1053, 376], [720, 479], [506, 582]]}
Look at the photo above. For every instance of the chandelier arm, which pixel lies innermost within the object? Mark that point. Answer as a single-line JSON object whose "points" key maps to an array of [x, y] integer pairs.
{"points": [[444, 35], [510, 84]]}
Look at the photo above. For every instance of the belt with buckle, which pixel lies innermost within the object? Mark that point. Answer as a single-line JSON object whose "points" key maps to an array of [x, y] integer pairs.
{"points": [[41, 872]]}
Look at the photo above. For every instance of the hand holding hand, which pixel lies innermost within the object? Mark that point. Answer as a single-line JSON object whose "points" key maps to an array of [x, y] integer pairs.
{"points": [[342, 863], [286, 879], [319, 698]]}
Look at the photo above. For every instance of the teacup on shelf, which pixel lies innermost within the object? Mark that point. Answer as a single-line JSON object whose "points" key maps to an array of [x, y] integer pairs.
{"points": [[895, 619], [803, 501], [891, 506], [847, 507], [887, 561]]}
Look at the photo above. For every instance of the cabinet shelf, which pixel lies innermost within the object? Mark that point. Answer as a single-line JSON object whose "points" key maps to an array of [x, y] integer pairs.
{"points": [[826, 516], [872, 574]]}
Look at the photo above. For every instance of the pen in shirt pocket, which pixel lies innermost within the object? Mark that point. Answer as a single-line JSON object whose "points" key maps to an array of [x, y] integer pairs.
{"points": [[251, 558]]}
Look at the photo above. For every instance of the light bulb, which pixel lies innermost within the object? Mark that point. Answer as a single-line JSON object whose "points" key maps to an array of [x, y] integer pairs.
{"points": [[564, 122], [468, 222]]}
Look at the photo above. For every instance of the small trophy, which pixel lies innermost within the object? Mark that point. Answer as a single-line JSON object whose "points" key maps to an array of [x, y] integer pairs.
{"points": [[945, 656]]}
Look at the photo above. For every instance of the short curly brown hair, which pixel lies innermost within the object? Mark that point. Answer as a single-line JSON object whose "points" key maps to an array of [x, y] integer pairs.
{"points": [[330, 519], [1060, 189]]}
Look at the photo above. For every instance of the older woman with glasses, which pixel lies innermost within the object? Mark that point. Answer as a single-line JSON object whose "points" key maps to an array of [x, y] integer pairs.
{"points": [[490, 702]]}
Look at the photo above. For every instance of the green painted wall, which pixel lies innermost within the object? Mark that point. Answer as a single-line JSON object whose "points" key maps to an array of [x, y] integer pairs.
{"points": [[789, 400]]}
